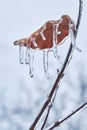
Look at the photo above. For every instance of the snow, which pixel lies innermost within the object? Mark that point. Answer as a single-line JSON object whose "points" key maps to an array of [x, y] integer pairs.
{"points": [[21, 97]]}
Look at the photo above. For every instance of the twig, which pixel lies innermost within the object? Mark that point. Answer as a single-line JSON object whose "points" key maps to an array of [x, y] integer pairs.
{"points": [[49, 108], [79, 15], [61, 74], [45, 120], [58, 123]]}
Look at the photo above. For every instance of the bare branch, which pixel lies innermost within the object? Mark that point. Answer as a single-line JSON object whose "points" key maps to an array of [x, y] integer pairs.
{"points": [[58, 123], [49, 108], [79, 15]]}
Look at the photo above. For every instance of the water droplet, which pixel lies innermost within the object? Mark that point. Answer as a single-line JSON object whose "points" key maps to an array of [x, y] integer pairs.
{"points": [[21, 54]]}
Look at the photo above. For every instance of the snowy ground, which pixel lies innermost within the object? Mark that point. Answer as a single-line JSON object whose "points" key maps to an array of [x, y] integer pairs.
{"points": [[21, 97]]}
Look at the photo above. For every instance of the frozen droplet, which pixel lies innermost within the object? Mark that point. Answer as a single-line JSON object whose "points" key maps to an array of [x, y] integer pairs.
{"points": [[31, 60], [27, 56], [21, 54], [45, 62]]}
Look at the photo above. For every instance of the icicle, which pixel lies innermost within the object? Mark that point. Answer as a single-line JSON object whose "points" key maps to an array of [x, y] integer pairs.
{"points": [[45, 62], [55, 52], [27, 56], [58, 58], [74, 45], [41, 33], [31, 60], [72, 35], [21, 54]]}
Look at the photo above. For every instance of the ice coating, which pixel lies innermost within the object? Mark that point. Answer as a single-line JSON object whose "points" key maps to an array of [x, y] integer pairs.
{"points": [[34, 41], [46, 38], [42, 32], [27, 56], [45, 62], [31, 60]]}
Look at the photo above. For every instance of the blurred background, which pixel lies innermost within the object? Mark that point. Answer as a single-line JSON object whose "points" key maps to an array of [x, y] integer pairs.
{"points": [[21, 97]]}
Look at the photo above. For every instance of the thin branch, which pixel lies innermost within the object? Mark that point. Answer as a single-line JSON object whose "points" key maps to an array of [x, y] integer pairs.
{"points": [[49, 108], [79, 15], [45, 120], [61, 74], [58, 123]]}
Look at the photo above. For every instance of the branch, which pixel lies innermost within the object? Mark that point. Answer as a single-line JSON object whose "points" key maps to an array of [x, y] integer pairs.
{"points": [[58, 123], [49, 108], [61, 74], [79, 15]]}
